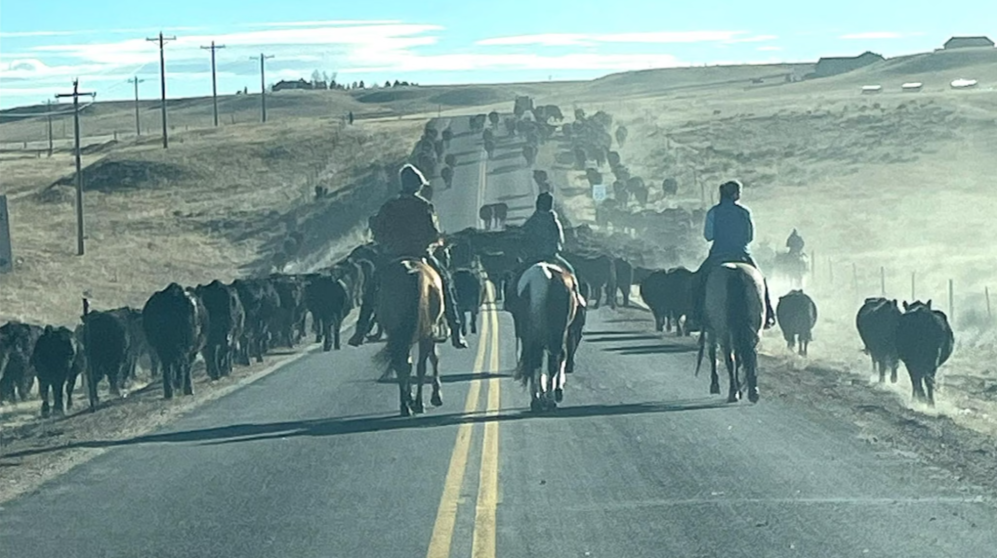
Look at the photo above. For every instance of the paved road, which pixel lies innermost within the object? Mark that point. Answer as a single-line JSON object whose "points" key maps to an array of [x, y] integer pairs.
{"points": [[312, 462]]}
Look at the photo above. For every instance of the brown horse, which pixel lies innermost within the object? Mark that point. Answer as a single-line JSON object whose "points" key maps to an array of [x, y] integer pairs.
{"points": [[410, 308], [543, 319], [735, 312]]}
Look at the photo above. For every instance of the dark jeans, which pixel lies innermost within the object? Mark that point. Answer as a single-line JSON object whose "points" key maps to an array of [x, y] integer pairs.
{"points": [[453, 317]]}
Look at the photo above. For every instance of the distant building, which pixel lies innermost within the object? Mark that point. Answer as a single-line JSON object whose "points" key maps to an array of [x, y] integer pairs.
{"points": [[297, 84], [968, 42], [829, 66]]}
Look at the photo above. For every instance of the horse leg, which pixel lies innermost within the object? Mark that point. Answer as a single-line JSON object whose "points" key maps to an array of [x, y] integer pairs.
{"points": [[434, 359], [535, 404], [749, 362], [474, 320], [714, 379], [420, 376], [336, 326], [404, 372], [734, 390], [557, 362], [929, 385]]}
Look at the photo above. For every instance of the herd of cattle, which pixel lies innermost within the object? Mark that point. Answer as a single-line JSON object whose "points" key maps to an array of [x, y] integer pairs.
{"points": [[226, 324]]}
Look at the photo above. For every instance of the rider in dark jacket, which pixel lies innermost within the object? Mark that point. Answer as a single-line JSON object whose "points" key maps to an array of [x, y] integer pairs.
{"points": [[730, 228], [795, 243], [545, 238], [407, 227]]}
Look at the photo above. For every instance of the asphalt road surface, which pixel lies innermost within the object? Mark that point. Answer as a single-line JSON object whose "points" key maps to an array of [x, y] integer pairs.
{"points": [[311, 461]]}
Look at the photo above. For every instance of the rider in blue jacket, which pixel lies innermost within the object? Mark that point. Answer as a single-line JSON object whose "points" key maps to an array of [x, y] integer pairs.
{"points": [[730, 228]]}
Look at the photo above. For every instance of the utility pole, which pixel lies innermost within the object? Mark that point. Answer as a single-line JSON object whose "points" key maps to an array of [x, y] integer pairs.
{"points": [[162, 79], [79, 167], [49, 118], [263, 85], [214, 82], [138, 124]]}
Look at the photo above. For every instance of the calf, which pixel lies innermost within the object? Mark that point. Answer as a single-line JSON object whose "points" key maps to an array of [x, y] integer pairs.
{"points": [[796, 314], [624, 279], [17, 375], [467, 287], [328, 300], [876, 322], [924, 342], [105, 341], [53, 358]]}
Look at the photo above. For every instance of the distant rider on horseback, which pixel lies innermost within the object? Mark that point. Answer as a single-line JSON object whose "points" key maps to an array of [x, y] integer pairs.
{"points": [[730, 228], [407, 227], [795, 244], [544, 239]]}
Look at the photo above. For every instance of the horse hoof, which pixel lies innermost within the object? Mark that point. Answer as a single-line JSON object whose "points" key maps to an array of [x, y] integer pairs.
{"points": [[436, 400], [558, 395], [714, 389], [417, 408], [733, 398], [536, 406], [753, 395], [405, 411]]}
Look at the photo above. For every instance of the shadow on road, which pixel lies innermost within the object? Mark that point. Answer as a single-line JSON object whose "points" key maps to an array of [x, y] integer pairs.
{"points": [[514, 197], [449, 378], [364, 424], [507, 155], [504, 169], [618, 336], [632, 350]]}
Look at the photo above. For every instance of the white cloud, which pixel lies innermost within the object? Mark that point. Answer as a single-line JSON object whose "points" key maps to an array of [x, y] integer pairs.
{"points": [[580, 39], [753, 39], [331, 22], [465, 62], [18, 34], [878, 35]]}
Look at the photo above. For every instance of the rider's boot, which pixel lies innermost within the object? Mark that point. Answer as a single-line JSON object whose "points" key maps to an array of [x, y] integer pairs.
{"points": [[769, 312]]}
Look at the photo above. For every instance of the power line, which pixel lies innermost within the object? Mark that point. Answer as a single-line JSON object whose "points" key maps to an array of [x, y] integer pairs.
{"points": [[138, 125], [263, 84], [79, 167], [214, 81], [162, 79]]}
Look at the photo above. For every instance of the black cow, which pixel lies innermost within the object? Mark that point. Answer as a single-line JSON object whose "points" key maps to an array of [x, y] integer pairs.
{"points": [[226, 321], [105, 337], [624, 278], [286, 320], [877, 321], [176, 324], [260, 302], [138, 344], [797, 314], [467, 286], [17, 375], [53, 358], [599, 272], [669, 296], [924, 342], [328, 300], [497, 266]]}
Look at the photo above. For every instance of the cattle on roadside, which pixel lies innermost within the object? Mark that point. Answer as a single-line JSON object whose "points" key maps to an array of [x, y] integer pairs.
{"points": [[530, 154], [796, 313], [285, 326], [624, 279], [52, 358], [490, 148], [105, 337], [447, 175], [328, 300], [599, 272], [467, 287], [877, 321], [176, 324], [501, 212], [260, 302], [17, 375], [226, 320], [924, 342], [497, 266]]}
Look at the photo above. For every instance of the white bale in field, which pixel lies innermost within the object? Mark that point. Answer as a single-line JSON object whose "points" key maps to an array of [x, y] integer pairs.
{"points": [[963, 83], [912, 86], [871, 89]]}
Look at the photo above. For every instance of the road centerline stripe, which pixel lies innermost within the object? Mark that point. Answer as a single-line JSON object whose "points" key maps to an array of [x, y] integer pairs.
{"points": [[446, 514], [483, 538]]}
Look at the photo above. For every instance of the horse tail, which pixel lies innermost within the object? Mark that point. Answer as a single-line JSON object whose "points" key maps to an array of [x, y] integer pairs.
{"points": [[400, 338], [742, 333], [558, 308]]}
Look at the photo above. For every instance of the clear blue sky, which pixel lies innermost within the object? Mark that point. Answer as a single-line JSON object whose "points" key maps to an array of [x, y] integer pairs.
{"points": [[44, 44]]}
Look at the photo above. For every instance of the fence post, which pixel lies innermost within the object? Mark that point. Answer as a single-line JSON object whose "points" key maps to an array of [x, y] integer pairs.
{"points": [[986, 293], [951, 302], [882, 281]]}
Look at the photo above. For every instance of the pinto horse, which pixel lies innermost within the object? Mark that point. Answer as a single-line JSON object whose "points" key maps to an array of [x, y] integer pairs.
{"points": [[543, 318], [409, 309], [735, 312]]}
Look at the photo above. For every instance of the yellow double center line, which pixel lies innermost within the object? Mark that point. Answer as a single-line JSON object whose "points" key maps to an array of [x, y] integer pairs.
{"points": [[483, 538]]}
